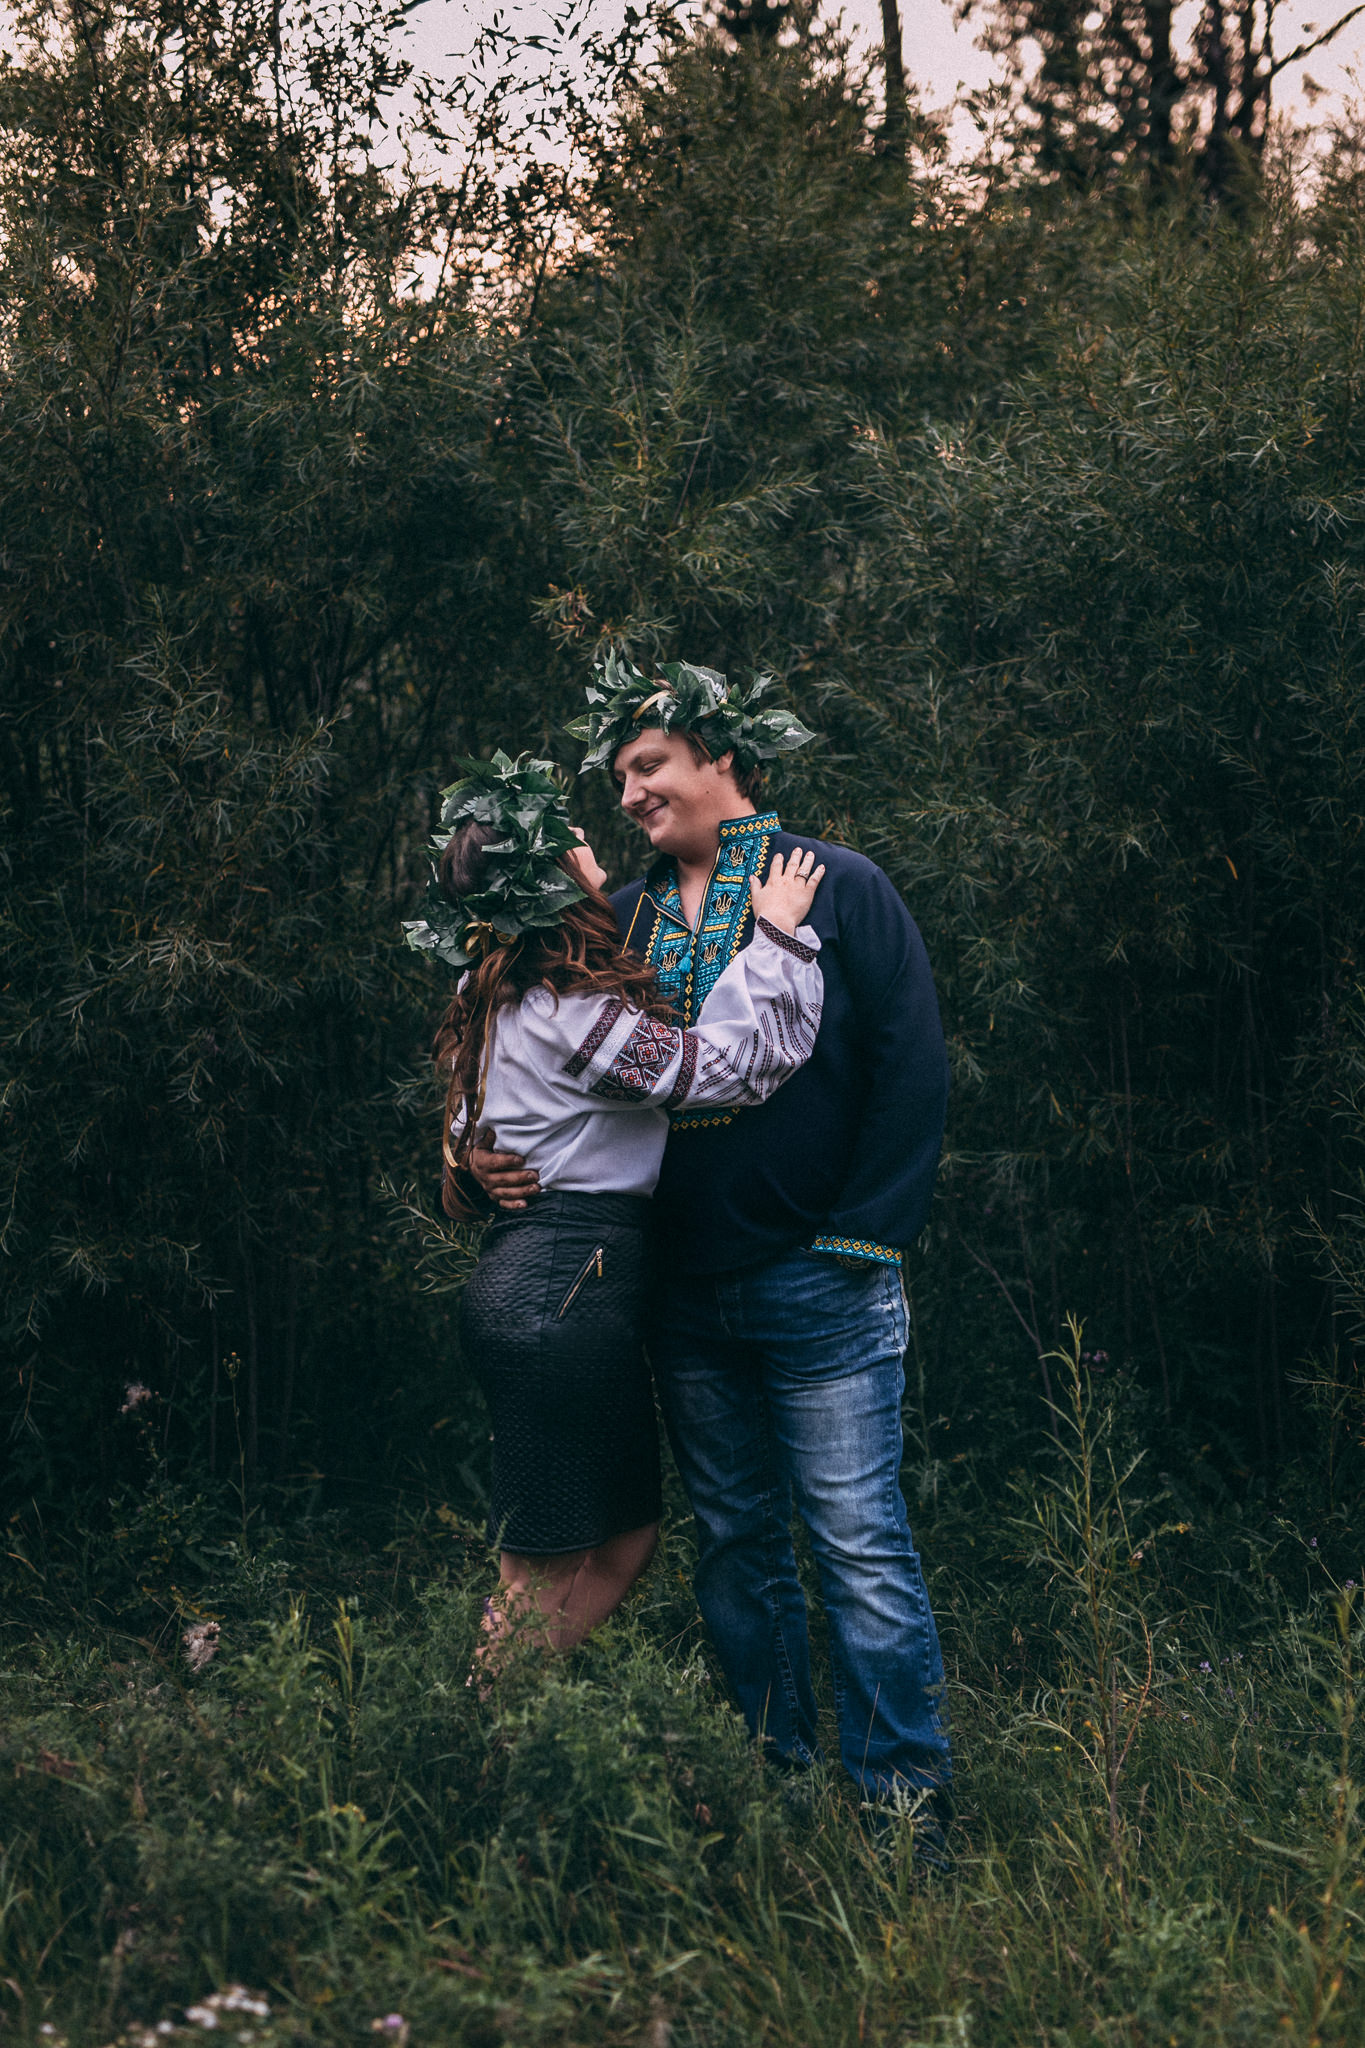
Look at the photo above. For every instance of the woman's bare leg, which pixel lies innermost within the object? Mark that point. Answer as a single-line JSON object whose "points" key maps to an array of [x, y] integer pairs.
{"points": [[530, 1597], [558, 1600], [603, 1579]]}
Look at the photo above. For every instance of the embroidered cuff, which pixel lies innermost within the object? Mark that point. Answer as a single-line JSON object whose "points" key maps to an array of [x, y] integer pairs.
{"points": [[687, 1068], [786, 941], [702, 1119], [857, 1248], [608, 1017]]}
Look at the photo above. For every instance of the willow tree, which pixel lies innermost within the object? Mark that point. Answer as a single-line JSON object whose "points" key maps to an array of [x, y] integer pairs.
{"points": [[250, 368]]}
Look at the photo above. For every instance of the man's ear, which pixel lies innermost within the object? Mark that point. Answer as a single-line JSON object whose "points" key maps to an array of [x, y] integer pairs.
{"points": [[722, 763]]}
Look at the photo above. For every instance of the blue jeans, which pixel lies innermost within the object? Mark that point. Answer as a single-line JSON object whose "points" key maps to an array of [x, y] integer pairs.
{"points": [[782, 1383]]}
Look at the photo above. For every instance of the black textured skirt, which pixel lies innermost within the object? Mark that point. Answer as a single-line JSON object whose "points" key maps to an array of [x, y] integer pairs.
{"points": [[551, 1322]]}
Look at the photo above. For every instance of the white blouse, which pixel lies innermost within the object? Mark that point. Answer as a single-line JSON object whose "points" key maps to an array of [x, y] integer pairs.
{"points": [[581, 1085]]}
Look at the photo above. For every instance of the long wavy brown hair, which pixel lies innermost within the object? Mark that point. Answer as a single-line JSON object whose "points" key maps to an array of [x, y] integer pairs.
{"points": [[581, 955]]}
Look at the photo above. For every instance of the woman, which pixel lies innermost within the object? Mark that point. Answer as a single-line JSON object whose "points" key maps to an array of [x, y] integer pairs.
{"points": [[563, 1044]]}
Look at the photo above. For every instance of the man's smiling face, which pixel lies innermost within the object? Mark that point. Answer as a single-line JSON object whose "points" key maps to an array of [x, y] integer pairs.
{"points": [[678, 801]]}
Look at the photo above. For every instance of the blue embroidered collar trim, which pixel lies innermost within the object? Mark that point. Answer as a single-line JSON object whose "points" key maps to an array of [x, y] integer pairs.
{"points": [[741, 828], [689, 962]]}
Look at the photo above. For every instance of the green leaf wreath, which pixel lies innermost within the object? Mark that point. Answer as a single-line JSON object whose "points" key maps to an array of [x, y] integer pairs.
{"points": [[683, 698], [525, 884]]}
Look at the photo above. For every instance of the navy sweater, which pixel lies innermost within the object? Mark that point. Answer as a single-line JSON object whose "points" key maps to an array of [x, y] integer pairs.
{"points": [[848, 1148]]}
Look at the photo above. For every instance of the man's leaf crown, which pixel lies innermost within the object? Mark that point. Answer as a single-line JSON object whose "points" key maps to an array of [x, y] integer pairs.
{"points": [[623, 701], [525, 886]]}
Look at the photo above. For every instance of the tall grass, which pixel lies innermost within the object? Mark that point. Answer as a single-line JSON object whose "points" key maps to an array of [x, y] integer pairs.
{"points": [[322, 1834]]}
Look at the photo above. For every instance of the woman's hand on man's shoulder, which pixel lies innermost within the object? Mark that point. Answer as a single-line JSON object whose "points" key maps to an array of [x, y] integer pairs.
{"points": [[786, 896]]}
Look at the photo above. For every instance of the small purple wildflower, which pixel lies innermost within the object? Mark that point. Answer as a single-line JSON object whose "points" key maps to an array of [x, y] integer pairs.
{"points": [[1206, 1667], [1312, 1543]]}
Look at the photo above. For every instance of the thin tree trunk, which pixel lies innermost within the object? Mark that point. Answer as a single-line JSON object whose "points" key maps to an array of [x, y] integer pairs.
{"points": [[253, 1369], [291, 1349], [213, 1394], [1217, 155], [1165, 89], [1137, 1219], [896, 122]]}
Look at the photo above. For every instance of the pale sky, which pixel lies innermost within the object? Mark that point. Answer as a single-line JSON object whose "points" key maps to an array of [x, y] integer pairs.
{"points": [[940, 54]]}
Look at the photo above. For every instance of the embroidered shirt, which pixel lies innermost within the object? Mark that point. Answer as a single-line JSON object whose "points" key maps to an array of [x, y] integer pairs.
{"points": [[843, 1158], [689, 960], [581, 1086]]}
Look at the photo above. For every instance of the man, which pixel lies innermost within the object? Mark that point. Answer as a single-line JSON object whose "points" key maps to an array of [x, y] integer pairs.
{"points": [[779, 1329]]}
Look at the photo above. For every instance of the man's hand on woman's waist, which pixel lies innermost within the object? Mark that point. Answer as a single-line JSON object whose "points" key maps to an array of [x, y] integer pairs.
{"points": [[504, 1176]]}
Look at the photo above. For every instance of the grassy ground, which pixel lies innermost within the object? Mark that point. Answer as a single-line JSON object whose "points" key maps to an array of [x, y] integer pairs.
{"points": [[1159, 1840]]}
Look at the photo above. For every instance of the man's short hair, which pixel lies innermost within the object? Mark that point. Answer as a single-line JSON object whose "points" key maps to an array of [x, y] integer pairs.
{"points": [[748, 781]]}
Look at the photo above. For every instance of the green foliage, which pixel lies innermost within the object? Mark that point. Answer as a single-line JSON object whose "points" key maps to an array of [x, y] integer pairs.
{"points": [[233, 451], [1067, 585], [1078, 1522], [1116, 631], [325, 1814], [329, 458], [1050, 522]]}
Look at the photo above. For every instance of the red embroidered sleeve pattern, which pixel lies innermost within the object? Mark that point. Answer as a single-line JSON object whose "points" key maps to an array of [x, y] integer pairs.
{"points": [[640, 1063]]}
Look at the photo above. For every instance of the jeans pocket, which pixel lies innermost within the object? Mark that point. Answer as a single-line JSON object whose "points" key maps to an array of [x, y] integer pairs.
{"points": [[898, 1303]]}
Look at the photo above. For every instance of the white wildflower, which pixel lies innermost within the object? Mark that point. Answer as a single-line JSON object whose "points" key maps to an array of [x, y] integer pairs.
{"points": [[238, 1999], [201, 1643]]}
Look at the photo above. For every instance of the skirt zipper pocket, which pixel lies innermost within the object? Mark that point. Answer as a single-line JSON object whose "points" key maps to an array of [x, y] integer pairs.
{"points": [[594, 1260]]}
